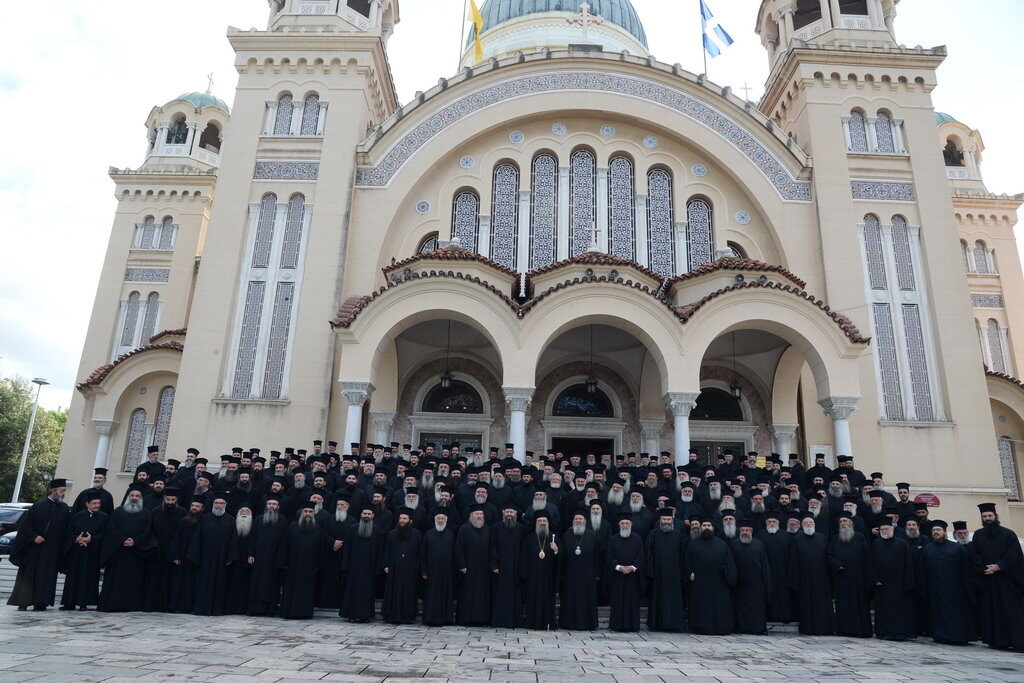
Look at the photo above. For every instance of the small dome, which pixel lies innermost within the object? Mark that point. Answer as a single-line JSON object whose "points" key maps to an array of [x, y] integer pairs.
{"points": [[201, 100], [619, 12], [942, 117]]}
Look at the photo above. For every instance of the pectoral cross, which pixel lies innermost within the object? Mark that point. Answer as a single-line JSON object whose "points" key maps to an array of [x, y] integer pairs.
{"points": [[585, 19]]}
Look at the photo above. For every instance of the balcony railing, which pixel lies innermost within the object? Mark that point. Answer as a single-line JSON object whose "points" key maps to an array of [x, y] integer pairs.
{"points": [[812, 30], [957, 173]]}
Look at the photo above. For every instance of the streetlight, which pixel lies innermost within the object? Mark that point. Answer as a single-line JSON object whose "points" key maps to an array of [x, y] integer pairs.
{"points": [[40, 382]]}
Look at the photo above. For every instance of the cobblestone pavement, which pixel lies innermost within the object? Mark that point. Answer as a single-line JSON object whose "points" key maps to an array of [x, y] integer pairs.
{"points": [[86, 646]]}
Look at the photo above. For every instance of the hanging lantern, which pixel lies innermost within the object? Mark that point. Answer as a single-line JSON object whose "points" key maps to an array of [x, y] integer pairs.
{"points": [[446, 376]]}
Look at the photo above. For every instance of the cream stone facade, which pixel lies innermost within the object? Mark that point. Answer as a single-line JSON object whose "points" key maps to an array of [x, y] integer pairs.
{"points": [[565, 246]]}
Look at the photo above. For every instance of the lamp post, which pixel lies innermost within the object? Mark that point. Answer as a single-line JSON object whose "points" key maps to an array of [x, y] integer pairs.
{"points": [[40, 383]]}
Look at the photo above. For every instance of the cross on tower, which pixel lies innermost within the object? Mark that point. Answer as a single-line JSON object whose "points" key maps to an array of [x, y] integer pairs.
{"points": [[585, 19], [209, 85], [746, 91]]}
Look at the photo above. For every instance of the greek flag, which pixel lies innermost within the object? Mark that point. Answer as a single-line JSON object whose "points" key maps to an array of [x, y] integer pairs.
{"points": [[715, 37]]}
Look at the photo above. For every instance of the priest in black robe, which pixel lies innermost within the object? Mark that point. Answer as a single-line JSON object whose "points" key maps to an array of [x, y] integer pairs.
{"points": [[240, 571], [127, 546], [181, 590], [580, 568], [473, 562], [895, 583], [809, 569], [162, 570], [39, 548], [852, 567], [711, 570], [946, 583], [297, 559], [401, 565], [538, 569], [437, 568], [665, 557], [506, 551], [336, 528], [361, 564], [99, 480], [753, 580], [213, 548], [81, 563], [776, 545], [1000, 567], [268, 536], [626, 564]]}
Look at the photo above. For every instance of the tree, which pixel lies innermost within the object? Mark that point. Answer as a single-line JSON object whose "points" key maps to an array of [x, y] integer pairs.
{"points": [[16, 398]]}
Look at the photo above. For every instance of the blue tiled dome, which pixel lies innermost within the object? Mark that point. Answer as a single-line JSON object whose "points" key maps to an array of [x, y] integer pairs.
{"points": [[202, 100], [619, 12], [942, 117]]}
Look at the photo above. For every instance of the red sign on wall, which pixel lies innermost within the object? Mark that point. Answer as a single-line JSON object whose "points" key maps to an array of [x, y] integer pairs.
{"points": [[930, 498]]}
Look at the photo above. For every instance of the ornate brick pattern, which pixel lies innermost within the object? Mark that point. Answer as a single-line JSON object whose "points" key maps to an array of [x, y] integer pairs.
{"points": [[883, 191], [287, 170], [154, 275]]}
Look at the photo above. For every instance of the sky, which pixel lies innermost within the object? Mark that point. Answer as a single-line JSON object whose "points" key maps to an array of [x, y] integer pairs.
{"points": [[75, 103]]}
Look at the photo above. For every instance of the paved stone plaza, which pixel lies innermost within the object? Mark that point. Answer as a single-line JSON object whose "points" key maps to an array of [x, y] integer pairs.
{"points": [[88, 646]]}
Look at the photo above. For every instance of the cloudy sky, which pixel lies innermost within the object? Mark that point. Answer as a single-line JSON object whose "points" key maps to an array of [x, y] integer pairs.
{"points": [[75, 103]]}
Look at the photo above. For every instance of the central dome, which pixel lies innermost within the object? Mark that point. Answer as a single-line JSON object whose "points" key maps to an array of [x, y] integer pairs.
{"points": [[619, 12]]}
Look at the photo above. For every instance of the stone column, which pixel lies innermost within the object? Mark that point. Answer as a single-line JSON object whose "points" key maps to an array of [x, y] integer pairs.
{"points": [[382, 425], [874, 16], [357, 394], [602, 210], [837, 20], [681, 403], [826, 15], [562, 241], [650, 436], [640, 227], [105, 428], [518, 400], [783, 438], [374, 12], [523, 239], [839, 409]]}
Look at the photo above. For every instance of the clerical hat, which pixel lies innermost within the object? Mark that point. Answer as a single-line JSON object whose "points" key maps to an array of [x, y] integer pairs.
{"points": [[959, 525], [939, 522], [982, 507]]}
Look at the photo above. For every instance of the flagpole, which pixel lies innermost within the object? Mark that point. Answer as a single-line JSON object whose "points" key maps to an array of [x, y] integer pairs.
{"points": [[462, 36], [703, 48]]}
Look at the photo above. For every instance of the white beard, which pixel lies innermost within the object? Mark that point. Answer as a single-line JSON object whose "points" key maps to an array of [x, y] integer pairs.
{"points": [[808, 530], [729, 530], [340, 515], [876, 509], [635, 507], [835, 493], [794, 495], [853, 512], [271, 516], [477, 523], [715, 494], [626, 486], [478, 460], [480, 500], [578, 529], [218, 512], [427, 481], [772, 530], [318, 508], [615, 498], [437, 496], [815, 512], [365, 528], [625, 534], [588, 500], [539, 504], [439, 528], [299, 485], [498, 484], [667, 527], [686, 497], [243, 525], [133, 507], [866, 498], [595, 521], [885, 534], [97, 485], [746, 539], [963, 541], [846, 533], [757, 508], [727, 507], [412, 505]]}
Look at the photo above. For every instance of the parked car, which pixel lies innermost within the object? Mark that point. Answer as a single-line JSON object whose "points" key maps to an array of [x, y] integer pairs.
{"points": [[10, 515], [7, 542]]}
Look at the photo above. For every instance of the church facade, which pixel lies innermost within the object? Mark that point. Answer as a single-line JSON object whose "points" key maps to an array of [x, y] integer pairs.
{"points": [[567, 245]]}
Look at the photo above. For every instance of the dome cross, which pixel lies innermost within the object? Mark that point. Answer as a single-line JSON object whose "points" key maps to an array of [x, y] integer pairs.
{"points": [[584, 19]]}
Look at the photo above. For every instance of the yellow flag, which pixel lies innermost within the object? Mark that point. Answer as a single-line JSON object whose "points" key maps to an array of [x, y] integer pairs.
{"points": [[478, 22]]}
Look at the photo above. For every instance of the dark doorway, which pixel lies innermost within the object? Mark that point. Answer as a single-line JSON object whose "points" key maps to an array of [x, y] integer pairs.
{"points": [[581, 447], [708, 451]]}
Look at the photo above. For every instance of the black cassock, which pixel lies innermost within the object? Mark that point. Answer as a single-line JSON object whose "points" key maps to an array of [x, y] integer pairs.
{"points": [[162, 571], [946, 584], [401, 560], [780, 605], [1001, 596], [328, 590], [666, 555], [538, 568], [714, 570], [753, 586], [580, 571], [507, 609], [473, 554], [853, 586], [264, 586], [625, 589], [82, 564], [437, 564], [239, 577], [213, 547], [892, 570], [38, 563], [123, 567], [181, 592], [297, 558], [361, 565], [809, 568], [106, 501]]}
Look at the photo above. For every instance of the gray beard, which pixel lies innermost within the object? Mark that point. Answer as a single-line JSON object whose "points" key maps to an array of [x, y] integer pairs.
{"points": [[299, 485], [867, 499], [271, 517], [847, 489], [542, 536], [439, 528], [667, 527], [427, 482], [963, 541], [437, 496], [794, 495], [615, 498], [694, 533], [306, 523], [218, 512], [97, 485], [809, 531], [480, 500], [793, 531], [626, 486], [595, 521], [412, 505], [318, 508], [815, 512], [853, 512], [477, 523], [589, 500], [578, 529], [715, 494], [757, 508], [509, 523], [686, 497], [243, 525], [729, 530], [635, 507], [727, 507], [876, 509], [498, 484], [539, 504], [365, 528], [913, 534], [746, 539], [835, 493], [772, 530], [133, 507], [846, 534], [885, 534], [625, 534], [340, 515]]}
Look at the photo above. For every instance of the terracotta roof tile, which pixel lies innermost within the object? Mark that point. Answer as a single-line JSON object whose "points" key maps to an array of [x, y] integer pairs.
{"points": [[99, 374], [1002, 375], [169, 333], [746, 264], [596, 258], [448, 255]]}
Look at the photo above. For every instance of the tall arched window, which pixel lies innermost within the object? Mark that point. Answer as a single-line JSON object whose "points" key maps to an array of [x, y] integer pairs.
{"points": [[888, 363], [981, 258], [163, 417], [458, 397], [167, 234], [582, 200], [965, 254], [177, 133], [293, 232], [717, 405], [152, 315], [428, 245], [700, 248], [873, 247], [505, 215], [901, 248], [543, 211], [210, 139], [131, 319], [135, 445], [883, 133], [265, 232], [576, 401], [466, 219], [952, 155], [283, 122], [621, 214], [310, 115], [661, 241], [277, 345], [148, 233], [995, 346], [248, 338], [858, 132]]}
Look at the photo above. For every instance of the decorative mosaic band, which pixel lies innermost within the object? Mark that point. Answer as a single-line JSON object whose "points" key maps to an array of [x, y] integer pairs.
{"points": [[786, 185], [287, 170], [147, 274], [987, 300], [886, 192]]}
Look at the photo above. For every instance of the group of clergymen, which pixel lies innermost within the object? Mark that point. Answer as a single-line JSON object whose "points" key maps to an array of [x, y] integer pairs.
{"points": [[485, 539]]}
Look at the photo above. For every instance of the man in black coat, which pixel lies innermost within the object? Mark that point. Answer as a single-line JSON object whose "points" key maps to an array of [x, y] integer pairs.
{"points": [[711, 570], [162, 570], [82, 555], [181, 585], [127, 547], [946, 578], [776, 545], [297, 561], [852, 567], [213, 548], [753, 580], [810, 565], [666, 554], [538, 570], [38, 549], [240, 571], [401, 565], [895, 580], [361, 565], [474, 563], [580, 569], [626, 564], [268, 534], [336, 528], [506, 548], [437, 567], [999, 563], [99, 480]]}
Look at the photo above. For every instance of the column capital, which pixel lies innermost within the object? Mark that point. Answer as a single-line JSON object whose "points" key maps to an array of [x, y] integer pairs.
{"points": [[104, 427], [382, 417], [651, 429], [839, 407], [518, 398], [784, 431], [681, 402], [357, 393]]}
